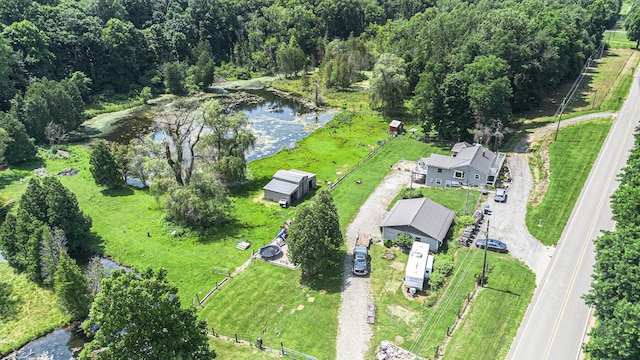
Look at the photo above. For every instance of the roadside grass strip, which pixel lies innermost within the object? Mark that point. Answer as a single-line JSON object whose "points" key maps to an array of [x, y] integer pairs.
{"points": [[571, 158], [617, 39], [492, 321]]}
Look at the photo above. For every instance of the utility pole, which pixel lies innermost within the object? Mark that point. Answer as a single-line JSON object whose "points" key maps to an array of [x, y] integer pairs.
{"points": [[555, 137], [484, 263]]}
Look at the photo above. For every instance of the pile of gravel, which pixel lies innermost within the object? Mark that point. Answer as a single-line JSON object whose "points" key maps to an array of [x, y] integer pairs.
{"points": [[390, 351]]}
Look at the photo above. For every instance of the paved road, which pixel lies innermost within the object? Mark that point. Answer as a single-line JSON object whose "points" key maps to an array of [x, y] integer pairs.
{"points": [[557, 320]]}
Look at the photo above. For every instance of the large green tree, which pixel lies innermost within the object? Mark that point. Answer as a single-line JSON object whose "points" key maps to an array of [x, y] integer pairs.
{"points": [[104, 168], [315, 234], [20, 146], [140, 317], [71, 287], [290, 58], [227, 143], [615, 289], [633, 27], [388, 84], [48, 101]]}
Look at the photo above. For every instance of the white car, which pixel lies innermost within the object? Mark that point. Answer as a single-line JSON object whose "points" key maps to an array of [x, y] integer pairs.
{"points": [[501, 195]]}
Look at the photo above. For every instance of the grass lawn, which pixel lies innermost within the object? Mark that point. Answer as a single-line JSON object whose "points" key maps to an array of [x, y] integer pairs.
{"points": [[495, 315], [268, 301], [349, 196], [570, 159], [455, 199], [26, 310]]}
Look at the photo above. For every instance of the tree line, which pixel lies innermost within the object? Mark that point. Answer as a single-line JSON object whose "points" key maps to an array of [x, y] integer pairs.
{"points": [[463, 66], [615, 288]]}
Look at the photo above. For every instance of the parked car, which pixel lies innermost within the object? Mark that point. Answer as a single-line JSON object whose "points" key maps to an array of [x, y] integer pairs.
{"points": [[494, 245], [501, 195], [360, 260]]}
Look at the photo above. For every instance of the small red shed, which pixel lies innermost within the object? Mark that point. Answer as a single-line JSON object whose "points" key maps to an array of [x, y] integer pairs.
{"points": [[395, 126]]}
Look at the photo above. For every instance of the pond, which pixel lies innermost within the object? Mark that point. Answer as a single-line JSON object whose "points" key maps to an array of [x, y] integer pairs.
{"points": [[2, 259], [60, 344], [277, 123]]}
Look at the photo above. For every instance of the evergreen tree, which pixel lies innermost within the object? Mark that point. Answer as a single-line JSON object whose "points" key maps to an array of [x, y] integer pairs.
{"points": [[64, 213], [315, 234], [20, 236], [104, 168], [20, 146], [71, 287]]}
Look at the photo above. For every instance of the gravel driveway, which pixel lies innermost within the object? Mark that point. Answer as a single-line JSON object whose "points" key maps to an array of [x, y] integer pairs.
{"points": [[353, 331]]}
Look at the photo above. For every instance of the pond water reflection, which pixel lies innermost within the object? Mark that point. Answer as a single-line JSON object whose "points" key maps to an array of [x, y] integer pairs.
{"points": [[276, 122]]}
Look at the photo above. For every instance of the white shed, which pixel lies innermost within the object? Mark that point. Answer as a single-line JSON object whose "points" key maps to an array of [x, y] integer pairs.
{"points": [[419, 266]]}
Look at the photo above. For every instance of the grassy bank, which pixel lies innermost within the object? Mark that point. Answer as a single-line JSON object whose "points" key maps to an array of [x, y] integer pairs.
{"points": [[26, 310], [570, 160], [495, 315]]}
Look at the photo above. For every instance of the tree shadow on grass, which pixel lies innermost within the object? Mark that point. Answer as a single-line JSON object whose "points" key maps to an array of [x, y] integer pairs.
{"points": [[93, 245], [123, 191], [9, 305], [8, 177], [233, 229], [330, 280]]}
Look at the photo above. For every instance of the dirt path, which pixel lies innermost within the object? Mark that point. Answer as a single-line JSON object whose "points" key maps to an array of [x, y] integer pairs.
{"points": [[353, 331], [523, 145]]}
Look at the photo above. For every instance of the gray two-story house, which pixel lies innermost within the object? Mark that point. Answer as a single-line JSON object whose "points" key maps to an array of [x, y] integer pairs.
{"points": [[468, 165]]}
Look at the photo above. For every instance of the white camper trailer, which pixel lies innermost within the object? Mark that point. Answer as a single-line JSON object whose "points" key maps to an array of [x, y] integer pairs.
{"points": [[419, 266]]}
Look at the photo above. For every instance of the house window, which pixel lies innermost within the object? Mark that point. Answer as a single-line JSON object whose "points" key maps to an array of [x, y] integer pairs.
{"points": [[439, 170], [438, 181], [458, 174], [476, 176]]}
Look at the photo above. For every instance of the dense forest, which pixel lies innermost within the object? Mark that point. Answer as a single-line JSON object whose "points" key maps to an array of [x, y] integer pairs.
{"points": [[459, 64]]}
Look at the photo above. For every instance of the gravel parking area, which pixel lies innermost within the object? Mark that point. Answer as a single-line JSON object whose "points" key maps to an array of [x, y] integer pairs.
{"points": [[507, 221]]}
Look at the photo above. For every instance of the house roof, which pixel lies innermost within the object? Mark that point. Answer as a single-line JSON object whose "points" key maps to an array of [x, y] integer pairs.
{"points": [[292, 175], [395, 123], [459, 146], [281, 187], [303, 173], [423, 215], [479, 158]]}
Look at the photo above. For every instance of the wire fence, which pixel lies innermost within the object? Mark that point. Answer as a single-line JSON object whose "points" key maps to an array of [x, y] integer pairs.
{"points": [[362, 162], [259, 344]]}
